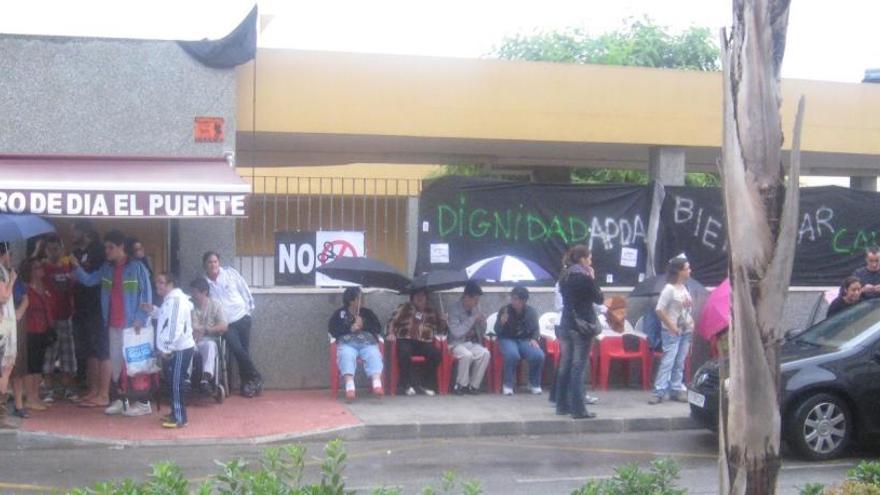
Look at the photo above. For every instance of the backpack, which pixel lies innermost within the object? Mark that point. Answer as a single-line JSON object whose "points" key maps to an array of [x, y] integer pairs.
{"points": [[653, 330]]}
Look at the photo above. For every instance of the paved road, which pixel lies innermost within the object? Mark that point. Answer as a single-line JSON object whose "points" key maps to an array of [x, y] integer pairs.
{"points": [[508, 465]]}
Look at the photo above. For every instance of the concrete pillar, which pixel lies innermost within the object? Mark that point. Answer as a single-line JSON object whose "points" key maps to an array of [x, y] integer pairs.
{"points": [[412, 234], [863, 183], [666, 165], [204, 234]]}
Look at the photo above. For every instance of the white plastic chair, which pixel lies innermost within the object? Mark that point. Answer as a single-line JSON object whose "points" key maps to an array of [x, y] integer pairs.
{"points": [[547, 323]]}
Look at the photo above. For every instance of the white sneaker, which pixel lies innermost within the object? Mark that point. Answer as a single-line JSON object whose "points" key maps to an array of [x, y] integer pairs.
{"points": [[428, 392], [138, 409], [506, 390], [410, 391], [116, 407], [537, 391]]}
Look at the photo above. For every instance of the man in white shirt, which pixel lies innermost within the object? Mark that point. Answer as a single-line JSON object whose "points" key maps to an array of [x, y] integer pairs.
{"points": [[231, 292]]}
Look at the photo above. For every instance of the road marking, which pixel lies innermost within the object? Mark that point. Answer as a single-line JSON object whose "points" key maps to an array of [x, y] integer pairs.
{"points": [[598, 450], [582, 479], [23, 487], [818, 465]]}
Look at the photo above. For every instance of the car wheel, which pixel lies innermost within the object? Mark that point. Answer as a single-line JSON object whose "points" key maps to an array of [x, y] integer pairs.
{"points": [[821, 427]]}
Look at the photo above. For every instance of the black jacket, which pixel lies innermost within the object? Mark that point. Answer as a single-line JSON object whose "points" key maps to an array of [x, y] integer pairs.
{"points": [[341, 321], [518, 326], [579, 293]]}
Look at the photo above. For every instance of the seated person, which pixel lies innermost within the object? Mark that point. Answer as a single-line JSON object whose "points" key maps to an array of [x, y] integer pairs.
{"points": [[466, 329], [414, 324], [850, 294], [208, 322], [357, 332], [518, 338], [612, 318]]}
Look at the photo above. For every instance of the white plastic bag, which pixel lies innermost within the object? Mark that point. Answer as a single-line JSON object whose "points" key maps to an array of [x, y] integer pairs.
{"points": [[137, 349]]}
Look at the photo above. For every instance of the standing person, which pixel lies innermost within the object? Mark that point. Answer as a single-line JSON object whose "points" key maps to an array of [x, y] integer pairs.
{"points": [[174, 341], [850, 295], [19, 371], [467, 327], [519, 338], [414, 324], [38, 318], [58, 281], [90, 337], [232, 293], [209, 324], [869, 275], [125, 288], [134, 248], [674, 309], [8, 337], [357, 330], [577, 284]]}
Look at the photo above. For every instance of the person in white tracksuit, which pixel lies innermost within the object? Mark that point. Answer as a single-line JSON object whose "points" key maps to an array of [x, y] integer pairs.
{"points": [[174, 341]]}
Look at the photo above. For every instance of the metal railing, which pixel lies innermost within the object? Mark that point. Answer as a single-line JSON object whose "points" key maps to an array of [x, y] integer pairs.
{"points": [[377, 207]]}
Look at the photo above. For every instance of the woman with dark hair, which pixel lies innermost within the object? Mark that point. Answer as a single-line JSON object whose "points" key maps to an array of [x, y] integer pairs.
{"points": [[39, 319], [578, 326], [357, 332], [850, 295], [674, 309], [414, 324]]}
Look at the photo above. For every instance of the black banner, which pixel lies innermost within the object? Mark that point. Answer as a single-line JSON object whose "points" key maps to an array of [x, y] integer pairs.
{"points": [[835, 225], [463, 220]]}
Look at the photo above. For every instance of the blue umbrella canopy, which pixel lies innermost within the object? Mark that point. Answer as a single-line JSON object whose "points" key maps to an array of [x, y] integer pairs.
{"points": [[18, 227], [507, 268]]}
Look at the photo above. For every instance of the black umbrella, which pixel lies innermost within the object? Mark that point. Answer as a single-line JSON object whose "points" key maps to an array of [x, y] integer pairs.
{"points": [[654, 286], [365, 272], [439, 280]]}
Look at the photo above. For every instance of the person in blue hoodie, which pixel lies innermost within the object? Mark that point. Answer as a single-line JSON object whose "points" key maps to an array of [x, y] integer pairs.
{"points": [[125, 288]]}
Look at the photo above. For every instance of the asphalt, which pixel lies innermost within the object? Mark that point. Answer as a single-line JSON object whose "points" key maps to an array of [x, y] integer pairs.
{"points": [[509, 465]]}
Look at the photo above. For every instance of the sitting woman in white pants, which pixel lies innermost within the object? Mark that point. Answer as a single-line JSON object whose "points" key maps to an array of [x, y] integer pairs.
{"points": [[208, 322]]}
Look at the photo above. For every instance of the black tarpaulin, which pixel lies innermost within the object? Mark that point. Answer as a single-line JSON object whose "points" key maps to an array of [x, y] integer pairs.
{"points": [[235, 48]]}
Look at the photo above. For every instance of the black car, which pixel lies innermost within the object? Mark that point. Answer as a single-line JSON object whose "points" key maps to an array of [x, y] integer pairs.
{"points": [[830, 384]]}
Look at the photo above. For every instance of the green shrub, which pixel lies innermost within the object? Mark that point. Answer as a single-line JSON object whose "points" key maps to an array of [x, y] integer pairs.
{"points": [[660, 479], [863, 479]]}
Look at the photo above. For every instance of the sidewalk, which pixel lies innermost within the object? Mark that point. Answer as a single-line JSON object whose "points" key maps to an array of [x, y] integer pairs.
{"points": [[288, 416]]}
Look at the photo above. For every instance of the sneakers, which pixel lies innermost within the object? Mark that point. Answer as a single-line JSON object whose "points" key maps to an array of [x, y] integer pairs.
{"points": [[470, 390], [172, 425], [410, 391], [590, 399], [138, 409], [506, 390], [679, 396], [378, 391], [536, 390], [655, 399], [350, 395], [459, 390], [116, 407]]}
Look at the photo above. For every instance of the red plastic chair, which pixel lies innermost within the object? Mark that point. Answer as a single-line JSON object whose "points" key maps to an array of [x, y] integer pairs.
{"points": [[417, 360], [334, 367], [449, 360], [611, 349]]}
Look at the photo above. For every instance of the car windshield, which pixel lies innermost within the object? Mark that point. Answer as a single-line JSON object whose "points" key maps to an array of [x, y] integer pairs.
{"points": [[843, 327]]}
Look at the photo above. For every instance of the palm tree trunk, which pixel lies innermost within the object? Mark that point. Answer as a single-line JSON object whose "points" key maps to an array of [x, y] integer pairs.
{"points": [[762, 221]]}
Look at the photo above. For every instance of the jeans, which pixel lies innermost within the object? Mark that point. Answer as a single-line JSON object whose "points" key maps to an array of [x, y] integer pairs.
{"points": [[348, 353], [238, 339], [574, 353], [515, 349], [406, 349], [175, 374], [670, 375]]}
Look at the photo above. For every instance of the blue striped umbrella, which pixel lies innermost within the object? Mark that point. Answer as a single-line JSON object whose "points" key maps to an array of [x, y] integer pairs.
{"points": [[507, 268]]}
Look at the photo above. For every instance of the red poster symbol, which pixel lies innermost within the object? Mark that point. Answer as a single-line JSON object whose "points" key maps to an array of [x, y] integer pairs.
{"points": [[336, 249]]}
